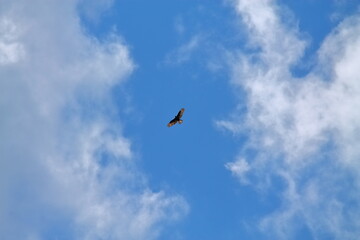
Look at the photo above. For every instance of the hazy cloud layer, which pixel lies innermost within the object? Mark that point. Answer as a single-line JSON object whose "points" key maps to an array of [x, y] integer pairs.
{"points": [[66, 170], [305, 131]]}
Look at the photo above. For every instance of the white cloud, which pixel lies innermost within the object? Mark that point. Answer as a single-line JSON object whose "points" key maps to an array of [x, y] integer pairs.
{"points": [[93, 9], [184, 52], [66, 170], [301, 127], [10, 50], [239, 168]]}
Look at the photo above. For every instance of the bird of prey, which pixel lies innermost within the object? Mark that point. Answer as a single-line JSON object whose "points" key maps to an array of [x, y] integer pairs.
{"points": [[177, 118]]}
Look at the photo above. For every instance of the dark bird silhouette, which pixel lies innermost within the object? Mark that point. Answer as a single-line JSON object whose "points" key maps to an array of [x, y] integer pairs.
{"points": [[177, 118]]}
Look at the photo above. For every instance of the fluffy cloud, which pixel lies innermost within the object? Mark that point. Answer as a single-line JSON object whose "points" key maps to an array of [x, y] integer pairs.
{"points": [[66, 170], [304, 130]]}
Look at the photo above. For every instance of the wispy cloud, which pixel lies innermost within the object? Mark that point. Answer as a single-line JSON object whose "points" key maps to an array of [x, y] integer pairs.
{"points": [[185, 52], [239, 168], [179, 25], [305, 131], [66, 170], [10, 50]]}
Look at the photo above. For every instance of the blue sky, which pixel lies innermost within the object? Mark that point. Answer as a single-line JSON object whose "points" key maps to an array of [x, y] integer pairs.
{"points": [[269, 147]]}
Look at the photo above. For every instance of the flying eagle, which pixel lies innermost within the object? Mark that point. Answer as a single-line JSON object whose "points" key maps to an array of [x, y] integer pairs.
{"points": [[177, 118]]}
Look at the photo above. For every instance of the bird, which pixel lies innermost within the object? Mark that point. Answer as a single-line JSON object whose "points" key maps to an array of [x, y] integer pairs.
{"points": [[177, 118]]}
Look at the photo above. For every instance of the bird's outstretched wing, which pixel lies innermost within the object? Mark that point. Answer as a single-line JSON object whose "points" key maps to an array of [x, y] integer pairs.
{"points": [[180, 113], [172, 122]]}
